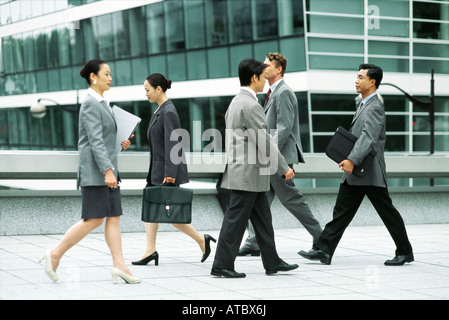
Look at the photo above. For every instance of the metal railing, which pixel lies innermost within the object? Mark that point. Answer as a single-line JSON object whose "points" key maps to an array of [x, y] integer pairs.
{"points": [[134, 165]]}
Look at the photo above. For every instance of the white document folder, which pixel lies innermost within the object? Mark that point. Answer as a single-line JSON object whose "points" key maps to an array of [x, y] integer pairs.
{"points": [[126, 125]]}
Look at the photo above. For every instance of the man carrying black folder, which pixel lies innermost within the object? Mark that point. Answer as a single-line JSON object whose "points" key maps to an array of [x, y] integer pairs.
{"points": [[369, 126]]}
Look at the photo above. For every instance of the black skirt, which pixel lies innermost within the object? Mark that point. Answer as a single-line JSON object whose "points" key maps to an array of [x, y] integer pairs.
{"points": [[100, 202]]}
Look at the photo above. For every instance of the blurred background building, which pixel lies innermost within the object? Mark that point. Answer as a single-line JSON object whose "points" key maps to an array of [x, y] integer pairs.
{"points": [[199, 43]]}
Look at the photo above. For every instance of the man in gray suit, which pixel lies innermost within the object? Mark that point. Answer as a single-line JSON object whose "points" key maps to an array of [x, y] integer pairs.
{"points": [[369, 126], [281, 110], [247, 174]]}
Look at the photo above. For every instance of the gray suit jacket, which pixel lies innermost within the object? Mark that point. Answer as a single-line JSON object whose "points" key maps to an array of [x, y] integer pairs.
{"points": [[247, 140], [369, 127], [282, 114], [96, 145]]}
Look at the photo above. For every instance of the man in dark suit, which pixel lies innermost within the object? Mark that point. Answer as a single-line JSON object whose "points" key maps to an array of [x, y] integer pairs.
{"points": [[281, 110], [247, 175], [369, 126]]}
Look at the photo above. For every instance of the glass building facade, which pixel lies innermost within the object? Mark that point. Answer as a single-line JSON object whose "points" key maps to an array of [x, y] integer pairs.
{"points": [[204, 40]]}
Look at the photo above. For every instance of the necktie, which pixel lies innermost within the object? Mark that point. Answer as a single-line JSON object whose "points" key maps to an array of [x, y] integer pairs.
{"points": [[359, 108], [268, 96]]}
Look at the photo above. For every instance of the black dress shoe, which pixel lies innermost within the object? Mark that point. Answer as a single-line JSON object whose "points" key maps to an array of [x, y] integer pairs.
{"points": [[244, 251], [227, 273], [207, 240], [313, 254], [400, 260], [283, 266], [154, 256]]}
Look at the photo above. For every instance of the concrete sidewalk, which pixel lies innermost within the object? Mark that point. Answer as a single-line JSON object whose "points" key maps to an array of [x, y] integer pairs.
{"points": [[357, 271]]}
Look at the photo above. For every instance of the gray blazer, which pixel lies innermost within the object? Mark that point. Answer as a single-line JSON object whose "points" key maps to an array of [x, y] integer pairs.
{"points": [[282, 114], [96, 145], [247, 166], [369, 127]]}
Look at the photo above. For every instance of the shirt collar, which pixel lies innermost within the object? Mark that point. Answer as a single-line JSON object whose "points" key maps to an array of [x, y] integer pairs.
{"points": [[274, 85], [96, 96], [253, 93], [364, 101]]}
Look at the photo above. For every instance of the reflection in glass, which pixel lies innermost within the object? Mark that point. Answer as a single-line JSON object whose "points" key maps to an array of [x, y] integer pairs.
{"points": [[174, 25], [240, 25], [216, 22]]}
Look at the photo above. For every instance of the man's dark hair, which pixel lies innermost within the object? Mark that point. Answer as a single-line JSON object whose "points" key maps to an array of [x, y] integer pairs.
{"points": [[374, 72], [248, 68]]}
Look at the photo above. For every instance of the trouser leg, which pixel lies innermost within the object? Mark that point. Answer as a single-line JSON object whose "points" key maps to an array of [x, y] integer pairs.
{"points": [[348, 202]]}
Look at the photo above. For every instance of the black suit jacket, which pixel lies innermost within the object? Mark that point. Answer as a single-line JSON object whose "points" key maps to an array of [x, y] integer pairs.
{"points": [[167, 157]]}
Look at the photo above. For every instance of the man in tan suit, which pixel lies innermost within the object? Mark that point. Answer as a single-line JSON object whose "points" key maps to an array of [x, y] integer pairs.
{"points": [[251, 156]]}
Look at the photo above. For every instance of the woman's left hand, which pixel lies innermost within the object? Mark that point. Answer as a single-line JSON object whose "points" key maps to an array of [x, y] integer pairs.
{"points": [[169, 180], [126, 143]]}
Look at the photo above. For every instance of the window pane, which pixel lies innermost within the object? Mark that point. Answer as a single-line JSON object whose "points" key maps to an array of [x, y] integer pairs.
{"points": [[66, 78], [431, 50], [336, 45], [120, 31], [335, 25], [238, 53], [64, 46], [155, 28], [121, 73], [266, 23], [53, 83], [390, 28], [194, 25], [41, 50], [137, 32], [240, 25], [395, 103], [388, 48], [426, 66], [431, 11], [294, 50], [328, 123], [397, 143], [261, 49], [334, 102], [177, 67], [174, 25], [391, 65], [139, 70], [291, 19], [103, 29], [196, 65], [89, 39], [216, 22], [332, 6], [157, 64], [430, 30], [218, 62], [334, 62], [391, 8]]}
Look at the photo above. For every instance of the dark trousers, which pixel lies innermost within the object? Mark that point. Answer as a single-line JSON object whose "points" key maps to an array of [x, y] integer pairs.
{"points": [[244, 206], [348, 202]]}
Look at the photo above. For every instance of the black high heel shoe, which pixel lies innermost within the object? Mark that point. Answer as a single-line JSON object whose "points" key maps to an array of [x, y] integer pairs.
{"points": [[207, 239], [154, 256]]}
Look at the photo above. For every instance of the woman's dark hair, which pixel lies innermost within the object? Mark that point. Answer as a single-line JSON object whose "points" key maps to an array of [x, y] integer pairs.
{"points": [[158, 80], [374, 72], [248, 68], [92, 66]]}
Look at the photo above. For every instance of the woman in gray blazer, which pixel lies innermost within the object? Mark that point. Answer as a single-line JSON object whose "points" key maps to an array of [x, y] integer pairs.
{"points": [[98, 176], [162, 169]]}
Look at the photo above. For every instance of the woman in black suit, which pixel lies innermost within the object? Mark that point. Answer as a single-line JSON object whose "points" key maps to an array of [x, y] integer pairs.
{"points": [[164, 169]]}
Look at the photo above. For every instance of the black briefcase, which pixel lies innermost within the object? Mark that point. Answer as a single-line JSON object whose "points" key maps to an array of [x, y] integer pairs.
{"points": [[341, 146], [165, 204]]}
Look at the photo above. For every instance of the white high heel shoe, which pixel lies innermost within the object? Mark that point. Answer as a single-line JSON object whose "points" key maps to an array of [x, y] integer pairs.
{"points": [[48, 267], [126, 277]]}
